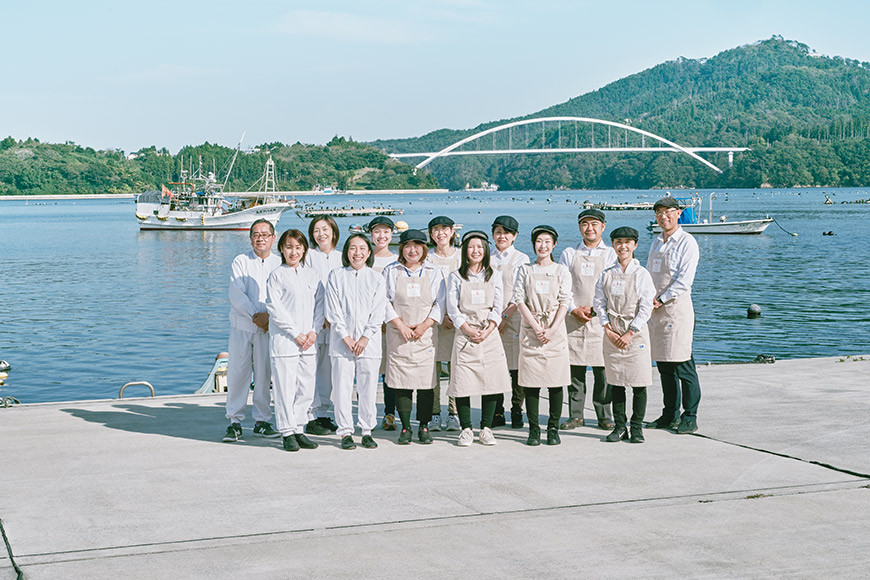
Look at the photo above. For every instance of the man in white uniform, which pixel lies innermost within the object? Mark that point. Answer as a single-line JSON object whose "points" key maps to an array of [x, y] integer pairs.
{"points": [[673, 260], [586, 263], [249, 334]]}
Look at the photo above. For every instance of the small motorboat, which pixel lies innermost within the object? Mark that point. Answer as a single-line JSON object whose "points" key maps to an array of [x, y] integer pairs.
{"points": [[691, 223]]}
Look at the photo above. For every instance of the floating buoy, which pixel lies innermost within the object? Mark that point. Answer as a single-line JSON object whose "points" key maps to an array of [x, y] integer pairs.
{"points": [[4, 366], [828, 233], [754, 311]]}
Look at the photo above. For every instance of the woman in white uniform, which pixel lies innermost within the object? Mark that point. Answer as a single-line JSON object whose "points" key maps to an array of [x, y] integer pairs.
{"points": [[415, 305], [478, 366], [295, 305], [381, 232], [446, 256], [624, 302], [324, 257], [543, 293], [355, 297]]}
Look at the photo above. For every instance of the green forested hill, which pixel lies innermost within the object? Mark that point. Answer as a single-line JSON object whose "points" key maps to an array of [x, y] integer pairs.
{"points": [[806, 118], [31, 167]]}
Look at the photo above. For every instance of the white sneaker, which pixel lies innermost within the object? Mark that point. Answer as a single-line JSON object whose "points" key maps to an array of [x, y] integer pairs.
{"points": [[486, 436], [466, 438], [435, 423], [453, 423]]}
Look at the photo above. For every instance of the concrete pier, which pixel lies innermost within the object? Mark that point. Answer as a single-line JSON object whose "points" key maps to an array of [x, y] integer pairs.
{"points": [[775, 483]]}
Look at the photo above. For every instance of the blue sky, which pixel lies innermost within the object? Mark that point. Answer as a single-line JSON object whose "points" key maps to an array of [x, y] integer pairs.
{"points": [[109, 74]]}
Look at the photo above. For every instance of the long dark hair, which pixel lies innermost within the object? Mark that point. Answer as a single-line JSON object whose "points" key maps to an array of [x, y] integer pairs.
{"points": [[293, 235], [463, 268], [345, 261]]}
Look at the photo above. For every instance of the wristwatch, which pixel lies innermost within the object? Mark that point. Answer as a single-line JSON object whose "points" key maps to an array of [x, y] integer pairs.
{"points": [[633, 328]]}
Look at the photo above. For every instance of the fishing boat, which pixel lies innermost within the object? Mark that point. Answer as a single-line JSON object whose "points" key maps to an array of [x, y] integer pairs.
{"points": [[312, 210], [690, 222], [484, 186]]}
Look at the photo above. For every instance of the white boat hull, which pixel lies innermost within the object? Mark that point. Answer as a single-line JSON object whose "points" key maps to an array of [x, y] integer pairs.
{"points": [[155, 216], [742, 227]]}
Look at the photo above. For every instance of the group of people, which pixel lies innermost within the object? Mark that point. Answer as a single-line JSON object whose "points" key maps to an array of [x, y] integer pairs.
{"points": [[318, 323]]}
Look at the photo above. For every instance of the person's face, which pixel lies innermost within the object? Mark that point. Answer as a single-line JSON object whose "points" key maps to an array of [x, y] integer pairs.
{"points": [[382, 235], [503, 238], [441, 234], [323, 235], [413, 253], [591, 230], [292, 252], [624, 248], [358, 253], [544, 245], [262, 239], [667, 218], [475, 251]]}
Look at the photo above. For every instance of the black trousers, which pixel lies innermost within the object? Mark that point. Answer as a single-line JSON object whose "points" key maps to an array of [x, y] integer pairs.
{"points": [[638, 406], [601, 396], [517, 396], [424, 406], [533, 400], [389, 399], [487, 408], [680, 378]]}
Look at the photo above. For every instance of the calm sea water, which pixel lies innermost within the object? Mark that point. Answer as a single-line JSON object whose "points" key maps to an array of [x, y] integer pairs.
{"points": [[88, 302]]}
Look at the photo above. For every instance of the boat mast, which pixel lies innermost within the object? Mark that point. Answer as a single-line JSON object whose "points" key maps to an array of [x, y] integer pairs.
{"points": [[233, 162]]}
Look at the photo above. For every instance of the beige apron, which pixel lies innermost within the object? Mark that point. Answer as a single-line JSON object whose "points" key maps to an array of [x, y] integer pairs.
{"points": [[411, 364], [477, 369], [672, 324], [383, 368], [543, 365], [585, 338], [445, 336], [630, 366], [510, 340]]}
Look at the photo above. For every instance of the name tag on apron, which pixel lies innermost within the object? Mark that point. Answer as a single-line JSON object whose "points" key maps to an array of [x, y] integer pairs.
{"points": [[656, 264], [413, 290], [542, 286], [618, 288], [478, 297], [587, 269]]}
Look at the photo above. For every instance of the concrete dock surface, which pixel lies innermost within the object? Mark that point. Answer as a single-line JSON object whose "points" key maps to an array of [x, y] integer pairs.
{"points": [[775, 483]]}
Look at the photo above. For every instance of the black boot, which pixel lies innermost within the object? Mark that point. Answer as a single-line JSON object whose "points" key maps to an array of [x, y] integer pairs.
{"points": [[636, 435], [553, 436], [534, 436], [516, 419]]}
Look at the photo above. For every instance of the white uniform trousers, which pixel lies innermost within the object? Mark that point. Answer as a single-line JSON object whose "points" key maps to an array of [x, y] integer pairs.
{"points": [[249, 352], [294, 390], [366, 371], [322, 404]]}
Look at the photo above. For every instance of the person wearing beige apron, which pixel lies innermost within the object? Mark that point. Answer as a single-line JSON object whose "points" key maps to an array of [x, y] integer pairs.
{"points": [[415, 306], [445, 256], [478, 366], [543, 293], [586, 262], [381, 232], [623, 300], [673, 260], [508, 260]]}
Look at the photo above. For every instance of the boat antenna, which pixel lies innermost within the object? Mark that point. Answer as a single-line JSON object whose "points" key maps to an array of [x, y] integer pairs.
{"points": [[233, 162]]}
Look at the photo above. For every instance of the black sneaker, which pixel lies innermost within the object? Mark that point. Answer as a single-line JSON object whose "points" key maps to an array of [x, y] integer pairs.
{"points": [[686, 428], [264, 429], [315, 428], [618, 434], [304, 442], [553, 437], [328, 423], [636, 435], [405, 437], [498, 420], [662, 423], [347, 442], [516, 420], [368, 442], [534, 437], [234, 433], [290, 443], [424, 436]]}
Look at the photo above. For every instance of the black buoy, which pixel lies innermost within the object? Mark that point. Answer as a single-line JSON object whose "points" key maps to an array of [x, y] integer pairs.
{"points": [[754, 311]]}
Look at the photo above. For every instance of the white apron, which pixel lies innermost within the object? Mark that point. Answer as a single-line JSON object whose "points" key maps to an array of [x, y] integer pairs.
{"points": [[411, 364], [672, 324], [445, 336], [585, 338], [477, 369], [630, 366], [543, 365], [510, 340]]}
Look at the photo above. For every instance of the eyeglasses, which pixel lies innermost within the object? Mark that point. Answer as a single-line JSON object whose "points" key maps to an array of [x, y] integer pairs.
{"points": [[259, 236], [665, 212]]}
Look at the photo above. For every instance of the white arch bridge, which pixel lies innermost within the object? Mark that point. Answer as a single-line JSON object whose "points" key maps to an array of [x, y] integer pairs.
{"points": [[664, 145]]}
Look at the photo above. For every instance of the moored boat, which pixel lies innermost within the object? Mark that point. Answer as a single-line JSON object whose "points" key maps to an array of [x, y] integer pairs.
{"points": [[691, 223]]}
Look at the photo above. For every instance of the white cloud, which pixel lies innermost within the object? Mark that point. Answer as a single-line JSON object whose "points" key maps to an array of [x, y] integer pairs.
{"points": [[347, 27]]}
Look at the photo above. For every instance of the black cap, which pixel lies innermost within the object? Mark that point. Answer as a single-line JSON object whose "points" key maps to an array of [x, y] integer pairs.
{"points": [[544, 229], [381, 221], [624, 232], [475, 234], [413, 236], [593, 214], [441, 220], [666, 202], [507, 222]]}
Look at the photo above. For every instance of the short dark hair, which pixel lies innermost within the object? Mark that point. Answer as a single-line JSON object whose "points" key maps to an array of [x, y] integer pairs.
{"points": [[419, 243], [293, 235], [344, 259], [463, 268], [261, 221], [328, 219]]}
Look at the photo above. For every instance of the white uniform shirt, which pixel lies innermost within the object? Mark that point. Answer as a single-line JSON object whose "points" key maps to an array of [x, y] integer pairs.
{"points": [[454, 284], [558, 270], [295, 304], [567, 260], [248, 277], [436, 284], [511, 256], [683, 256], [381, 263], [322, 263], [355, 301], [643, 284]]}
